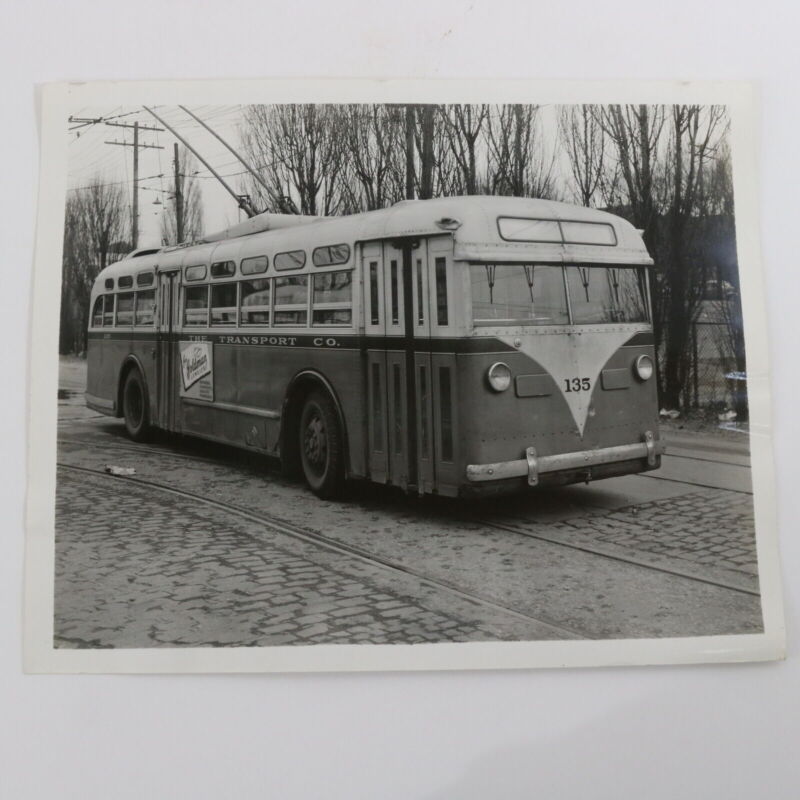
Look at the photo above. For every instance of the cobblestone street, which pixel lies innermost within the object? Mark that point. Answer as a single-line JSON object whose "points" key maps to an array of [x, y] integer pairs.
{"points": [[171, 574], [198, 562]]}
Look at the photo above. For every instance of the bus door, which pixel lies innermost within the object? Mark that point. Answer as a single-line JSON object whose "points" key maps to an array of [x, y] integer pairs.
{"points": [[166, 350], [398, 364]]}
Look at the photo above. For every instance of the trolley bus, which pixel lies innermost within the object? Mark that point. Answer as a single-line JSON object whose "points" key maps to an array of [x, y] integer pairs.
{"points": [[456, 346]]}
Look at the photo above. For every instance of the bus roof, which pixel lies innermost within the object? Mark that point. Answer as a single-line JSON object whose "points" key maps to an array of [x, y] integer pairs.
{"points": [[484, 228]]}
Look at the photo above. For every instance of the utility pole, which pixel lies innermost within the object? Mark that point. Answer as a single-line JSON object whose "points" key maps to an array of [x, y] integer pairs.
{"points": [[135, 209], [135, 217], [178, 198]]}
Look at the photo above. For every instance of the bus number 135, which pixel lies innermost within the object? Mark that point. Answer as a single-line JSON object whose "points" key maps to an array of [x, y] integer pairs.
{"points": [[577, 384]]}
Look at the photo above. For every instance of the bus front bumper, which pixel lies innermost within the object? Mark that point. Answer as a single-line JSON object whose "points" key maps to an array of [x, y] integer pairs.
{"points": [[533, 465]]}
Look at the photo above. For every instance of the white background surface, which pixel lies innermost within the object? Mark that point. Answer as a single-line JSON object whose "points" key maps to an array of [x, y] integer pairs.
{"points": [[708, 731]]}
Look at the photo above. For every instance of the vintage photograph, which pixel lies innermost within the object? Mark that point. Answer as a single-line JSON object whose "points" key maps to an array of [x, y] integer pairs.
{"points": [[401, 373]]}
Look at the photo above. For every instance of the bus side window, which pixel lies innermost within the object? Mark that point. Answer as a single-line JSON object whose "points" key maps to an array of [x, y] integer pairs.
{"points": [[441, 291], [374, 302], [223, 303], [254, 301], [108, 311], [195, 305], [145, 307], [332, 298], [125, 308], [291, 300], [97, 312]]}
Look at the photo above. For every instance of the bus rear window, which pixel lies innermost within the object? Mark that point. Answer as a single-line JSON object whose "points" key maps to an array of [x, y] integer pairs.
{"points": [[522, 294], [607, 294]]}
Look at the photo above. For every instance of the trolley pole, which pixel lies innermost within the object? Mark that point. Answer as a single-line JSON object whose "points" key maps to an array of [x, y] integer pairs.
{"points": [[178, 198]]}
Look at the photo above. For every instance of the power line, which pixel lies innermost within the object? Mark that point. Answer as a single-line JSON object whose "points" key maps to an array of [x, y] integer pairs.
{"points": [[114, 183]]}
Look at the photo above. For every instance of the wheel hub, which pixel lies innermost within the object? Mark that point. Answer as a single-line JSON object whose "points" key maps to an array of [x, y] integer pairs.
{"points": [[314, 443]]}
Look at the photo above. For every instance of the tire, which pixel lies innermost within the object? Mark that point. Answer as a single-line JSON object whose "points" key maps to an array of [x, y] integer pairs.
{"points": [[321, 446], [135, 408]]}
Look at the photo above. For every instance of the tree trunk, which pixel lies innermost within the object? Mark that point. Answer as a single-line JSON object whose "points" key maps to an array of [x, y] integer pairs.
{"points": [[426, 165]]}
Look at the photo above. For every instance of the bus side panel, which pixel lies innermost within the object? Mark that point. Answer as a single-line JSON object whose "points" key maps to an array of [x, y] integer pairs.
{"points": [[115, 351], [258, 377], [446, 412], [95, 385], [377, 417], [144, 348], [106, 355]]}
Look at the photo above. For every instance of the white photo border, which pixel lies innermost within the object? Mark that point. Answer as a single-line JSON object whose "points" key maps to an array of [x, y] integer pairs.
{"points": [[57, 101]]}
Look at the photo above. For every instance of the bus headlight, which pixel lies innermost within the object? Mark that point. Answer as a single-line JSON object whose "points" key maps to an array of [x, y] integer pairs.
{"points": [[643, 367], [499, 376]]}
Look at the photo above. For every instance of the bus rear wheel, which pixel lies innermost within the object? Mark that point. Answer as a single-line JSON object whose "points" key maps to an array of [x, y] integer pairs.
{"points": [[135, 408], [321, 446]]}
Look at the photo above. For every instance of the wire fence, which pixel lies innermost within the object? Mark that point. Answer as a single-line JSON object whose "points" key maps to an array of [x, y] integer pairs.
{"points": [[714, 383]]}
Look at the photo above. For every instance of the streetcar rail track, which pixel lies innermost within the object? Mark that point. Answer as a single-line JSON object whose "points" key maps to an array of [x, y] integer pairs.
{"points": [[352, 551], [693, 483], [672, 454], [686, 573]]}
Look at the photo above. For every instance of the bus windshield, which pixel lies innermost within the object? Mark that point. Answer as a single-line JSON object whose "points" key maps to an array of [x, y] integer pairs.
{"points": [[536, 294]]}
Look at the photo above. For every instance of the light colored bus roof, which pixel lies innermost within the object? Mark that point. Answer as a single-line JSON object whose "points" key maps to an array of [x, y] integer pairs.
{"points": [[477, 237]]}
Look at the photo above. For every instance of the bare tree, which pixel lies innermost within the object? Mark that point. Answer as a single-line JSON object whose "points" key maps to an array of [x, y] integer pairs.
{"points": [[695, 132], [663, 155], [104, 212], [465, 127], [425, 148], [517, 163], [428, 172], [191, 204], [635, 132], [635, 135], [373, 135], [95, 221], [298, 151], [584, 140]]}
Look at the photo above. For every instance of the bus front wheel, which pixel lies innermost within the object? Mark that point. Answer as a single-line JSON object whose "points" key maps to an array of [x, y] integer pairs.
{"points": [[135, 407], [321, 446]]}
